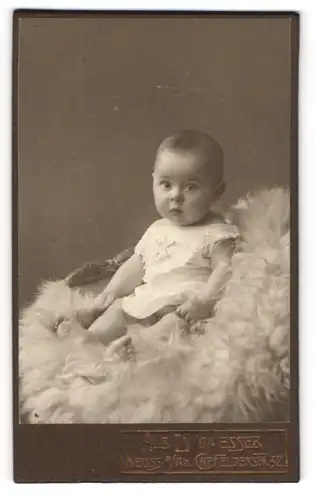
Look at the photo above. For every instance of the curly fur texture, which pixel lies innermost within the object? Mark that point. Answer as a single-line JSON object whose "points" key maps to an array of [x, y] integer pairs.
{"points": [[233, 367]]}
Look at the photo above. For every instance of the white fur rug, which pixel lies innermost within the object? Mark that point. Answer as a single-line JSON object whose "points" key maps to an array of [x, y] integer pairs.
{"points": [[232, 368]]}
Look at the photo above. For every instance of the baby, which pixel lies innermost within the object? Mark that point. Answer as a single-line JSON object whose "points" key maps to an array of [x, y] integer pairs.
{"points": [[182, 262]]}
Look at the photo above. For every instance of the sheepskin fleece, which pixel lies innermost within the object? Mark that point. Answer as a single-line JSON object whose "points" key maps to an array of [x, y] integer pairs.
{"points": [[233, 367]]}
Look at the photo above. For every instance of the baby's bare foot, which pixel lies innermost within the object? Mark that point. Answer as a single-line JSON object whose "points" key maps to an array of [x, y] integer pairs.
{"points": [[63, 329], [123, 347], [70, 326]]}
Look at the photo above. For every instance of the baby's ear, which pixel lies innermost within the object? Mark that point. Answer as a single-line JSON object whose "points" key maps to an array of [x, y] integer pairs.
{"points": [[220, 189]]}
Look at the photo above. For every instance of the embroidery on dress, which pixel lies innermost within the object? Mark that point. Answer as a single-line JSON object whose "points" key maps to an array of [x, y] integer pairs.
{"points": [[162, 248]]}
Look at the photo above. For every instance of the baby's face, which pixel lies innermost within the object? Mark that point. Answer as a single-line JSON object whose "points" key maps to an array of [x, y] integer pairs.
{"points": [[183, 190]]}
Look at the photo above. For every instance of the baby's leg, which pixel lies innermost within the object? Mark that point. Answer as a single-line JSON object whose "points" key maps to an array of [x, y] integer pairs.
{"points": [[167, 324], [109, 326]]}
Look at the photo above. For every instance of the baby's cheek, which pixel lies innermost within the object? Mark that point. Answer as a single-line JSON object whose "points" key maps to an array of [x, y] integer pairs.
{"points": [[164, 201], [194, 202]]}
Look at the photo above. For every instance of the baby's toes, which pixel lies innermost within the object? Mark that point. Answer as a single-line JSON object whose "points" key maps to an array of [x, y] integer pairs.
{"points": [[64, 328], [126, 343], [56, 324], [130, 350], [121, 347]]}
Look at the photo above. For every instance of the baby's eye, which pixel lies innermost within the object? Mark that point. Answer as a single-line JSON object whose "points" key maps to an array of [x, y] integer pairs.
{"points": [[192, 186], [166, 184]]}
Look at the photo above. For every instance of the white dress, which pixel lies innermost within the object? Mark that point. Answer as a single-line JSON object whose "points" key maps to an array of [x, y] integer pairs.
{"points": [[176, 262]]}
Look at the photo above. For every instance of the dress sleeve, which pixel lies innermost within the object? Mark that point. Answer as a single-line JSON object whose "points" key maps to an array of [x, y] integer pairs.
{"points": [[222, 234]]}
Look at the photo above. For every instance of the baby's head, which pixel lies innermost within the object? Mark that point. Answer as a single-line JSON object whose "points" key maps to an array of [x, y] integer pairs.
{"points": [[187, 177]]}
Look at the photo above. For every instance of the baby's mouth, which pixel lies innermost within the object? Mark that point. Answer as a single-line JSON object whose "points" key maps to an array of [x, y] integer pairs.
{"points": [[176, 211]]}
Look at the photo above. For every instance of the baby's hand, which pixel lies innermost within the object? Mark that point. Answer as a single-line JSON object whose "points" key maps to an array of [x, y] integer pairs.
{"points": [[194, 310]]}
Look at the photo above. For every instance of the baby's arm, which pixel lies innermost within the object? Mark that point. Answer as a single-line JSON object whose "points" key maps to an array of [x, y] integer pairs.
{"points": [[123, 283], [200, 307]]}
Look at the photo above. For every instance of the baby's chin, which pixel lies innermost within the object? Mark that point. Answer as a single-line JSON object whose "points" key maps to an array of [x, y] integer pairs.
{"points": [[179, 218]]}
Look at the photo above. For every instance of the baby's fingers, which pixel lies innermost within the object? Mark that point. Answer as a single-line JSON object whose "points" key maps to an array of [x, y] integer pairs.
{"points": [[181, 312], [189, 317]]}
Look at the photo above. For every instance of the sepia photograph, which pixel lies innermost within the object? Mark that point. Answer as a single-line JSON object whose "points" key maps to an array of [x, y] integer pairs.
{"points": [[155, 179]]}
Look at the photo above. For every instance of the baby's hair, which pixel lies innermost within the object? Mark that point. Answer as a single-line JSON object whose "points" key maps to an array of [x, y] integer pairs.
{"points": [[202, 145]]}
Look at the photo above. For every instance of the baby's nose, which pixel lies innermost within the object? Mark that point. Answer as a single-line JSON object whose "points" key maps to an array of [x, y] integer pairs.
{"points": [[176, 194]]}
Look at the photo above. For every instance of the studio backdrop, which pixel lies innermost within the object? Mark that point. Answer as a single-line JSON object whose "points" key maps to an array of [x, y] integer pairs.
{"points": [[97, 95]]}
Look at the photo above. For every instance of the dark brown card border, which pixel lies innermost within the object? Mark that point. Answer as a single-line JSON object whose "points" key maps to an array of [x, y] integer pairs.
{"points": [[91, 453]]}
